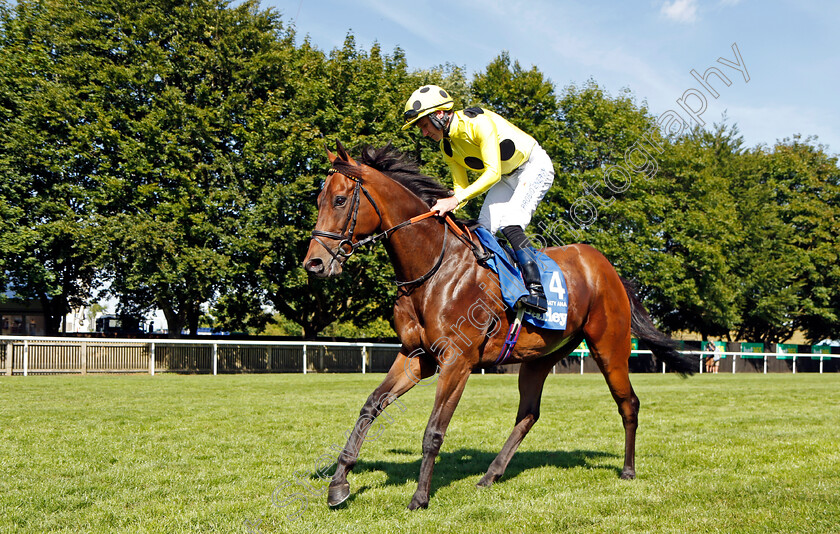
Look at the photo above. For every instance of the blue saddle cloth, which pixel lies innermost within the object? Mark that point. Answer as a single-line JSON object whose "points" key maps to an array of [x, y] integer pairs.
{"points": [[553, 281]]}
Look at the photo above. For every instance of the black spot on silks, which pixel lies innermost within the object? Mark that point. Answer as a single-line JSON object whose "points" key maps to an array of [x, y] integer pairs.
{"points": [[507, 149], [474, 163], [447, 148], [473, 112]]}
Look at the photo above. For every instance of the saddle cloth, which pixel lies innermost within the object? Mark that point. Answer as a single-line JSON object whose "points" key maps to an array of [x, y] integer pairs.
{"points": [[553, 281]]}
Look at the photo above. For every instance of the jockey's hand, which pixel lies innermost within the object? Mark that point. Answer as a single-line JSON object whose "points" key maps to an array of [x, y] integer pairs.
{"points": [[444, 205]]}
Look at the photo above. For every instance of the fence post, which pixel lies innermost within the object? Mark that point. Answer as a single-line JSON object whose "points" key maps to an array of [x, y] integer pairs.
{"points": [[10, 354], [304, 358], [794, 364], [734, 359], [663, 368], [364, 357], [821, 364], [25, 357], [765, 363], [702, 361], [215, 358], [83, 353], [152, 360]]}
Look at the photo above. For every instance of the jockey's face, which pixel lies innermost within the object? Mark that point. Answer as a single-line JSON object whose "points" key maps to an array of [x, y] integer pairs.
{"points": [[428, 129]]}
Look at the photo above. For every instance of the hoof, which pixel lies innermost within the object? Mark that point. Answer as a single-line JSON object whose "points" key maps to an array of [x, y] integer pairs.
{"points": [[628, 474], [487, 481], [338, 494], [416, 503]]}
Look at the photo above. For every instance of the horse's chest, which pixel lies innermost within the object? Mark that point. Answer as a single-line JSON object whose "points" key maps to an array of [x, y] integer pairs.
{"points": [[408, 323]]}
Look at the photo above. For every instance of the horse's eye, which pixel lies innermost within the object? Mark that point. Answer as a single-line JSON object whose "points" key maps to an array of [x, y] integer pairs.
{"points": [[340, 201]]}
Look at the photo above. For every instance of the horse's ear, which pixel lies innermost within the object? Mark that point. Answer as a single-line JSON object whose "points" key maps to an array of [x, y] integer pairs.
{"points": [[330, 155], [342, 153]]}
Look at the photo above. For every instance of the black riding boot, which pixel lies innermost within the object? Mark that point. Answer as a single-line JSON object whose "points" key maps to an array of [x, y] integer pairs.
{"points": [[535, 301]]}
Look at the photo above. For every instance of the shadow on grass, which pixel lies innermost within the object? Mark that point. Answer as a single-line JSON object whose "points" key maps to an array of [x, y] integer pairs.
{"points": [[464, 463]]}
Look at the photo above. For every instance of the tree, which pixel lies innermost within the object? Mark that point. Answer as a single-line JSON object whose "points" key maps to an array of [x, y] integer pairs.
{"points": [[178, 101], [50, 244], [524, 97], [787, 260], [352, 95], [690, 282]]}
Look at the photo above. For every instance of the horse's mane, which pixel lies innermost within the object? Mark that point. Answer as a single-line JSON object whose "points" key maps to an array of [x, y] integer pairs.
{"points": [[399, 167]]}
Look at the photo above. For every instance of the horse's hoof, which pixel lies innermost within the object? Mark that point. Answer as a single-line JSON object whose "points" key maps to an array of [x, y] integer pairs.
{"points": [[338, 493], [628, 474], [487, 480], [416, 503]]}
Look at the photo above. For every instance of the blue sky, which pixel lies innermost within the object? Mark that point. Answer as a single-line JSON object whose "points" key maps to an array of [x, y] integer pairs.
{"points": [[791, 50]]}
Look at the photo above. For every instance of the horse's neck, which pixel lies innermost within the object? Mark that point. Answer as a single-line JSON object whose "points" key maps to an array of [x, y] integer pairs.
{"points": [[415, 248]]}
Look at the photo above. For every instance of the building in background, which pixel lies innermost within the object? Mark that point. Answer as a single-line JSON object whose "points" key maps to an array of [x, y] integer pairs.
{"points": [[21, 318]]}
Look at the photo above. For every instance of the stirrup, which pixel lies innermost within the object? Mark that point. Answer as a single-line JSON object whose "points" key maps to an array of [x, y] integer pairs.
{"points": [[533, 303]]}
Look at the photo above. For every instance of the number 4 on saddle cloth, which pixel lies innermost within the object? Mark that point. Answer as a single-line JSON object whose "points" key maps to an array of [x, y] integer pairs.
{"points": [[553, 281]]}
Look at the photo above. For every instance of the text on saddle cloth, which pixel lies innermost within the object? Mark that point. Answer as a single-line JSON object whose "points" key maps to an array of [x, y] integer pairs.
{"points": [[554, 283]]}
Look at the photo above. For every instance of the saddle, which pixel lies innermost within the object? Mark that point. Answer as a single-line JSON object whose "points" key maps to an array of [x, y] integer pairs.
{"points": [[503, 263]]}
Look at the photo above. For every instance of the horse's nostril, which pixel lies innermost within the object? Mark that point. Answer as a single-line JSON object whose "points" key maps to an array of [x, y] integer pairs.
{"points": [[314, 266]]}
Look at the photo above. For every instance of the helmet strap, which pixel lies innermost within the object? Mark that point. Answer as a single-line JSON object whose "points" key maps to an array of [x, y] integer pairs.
{"points": [[441, 124]]}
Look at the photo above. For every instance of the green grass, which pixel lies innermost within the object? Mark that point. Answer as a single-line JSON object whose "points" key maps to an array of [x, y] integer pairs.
{"points": [[715, 453]]}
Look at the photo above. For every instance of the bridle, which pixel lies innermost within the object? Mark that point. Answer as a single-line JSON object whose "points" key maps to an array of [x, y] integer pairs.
{"points": [[345, 238]]}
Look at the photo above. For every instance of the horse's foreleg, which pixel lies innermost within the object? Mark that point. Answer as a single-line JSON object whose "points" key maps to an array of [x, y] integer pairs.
{"points": [[403, 375], [531, 380], [449, 389]]}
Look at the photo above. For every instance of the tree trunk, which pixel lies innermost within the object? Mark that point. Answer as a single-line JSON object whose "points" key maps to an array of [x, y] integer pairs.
{"points": [[54, 311], [174, 321], [193, 314]]}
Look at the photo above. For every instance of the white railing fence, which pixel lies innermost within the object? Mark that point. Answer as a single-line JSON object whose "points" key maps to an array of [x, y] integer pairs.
{"points": [[24, 355]]}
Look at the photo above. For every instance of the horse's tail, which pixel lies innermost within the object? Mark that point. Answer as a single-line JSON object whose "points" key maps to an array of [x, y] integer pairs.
{"points": [[662, 346]]}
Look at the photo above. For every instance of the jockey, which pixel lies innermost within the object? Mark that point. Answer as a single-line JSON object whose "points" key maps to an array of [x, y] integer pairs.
{"points": [[515, 172]]}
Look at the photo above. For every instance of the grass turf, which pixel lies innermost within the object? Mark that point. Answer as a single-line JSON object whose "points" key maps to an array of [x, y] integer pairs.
{"points": [[715, 453]]}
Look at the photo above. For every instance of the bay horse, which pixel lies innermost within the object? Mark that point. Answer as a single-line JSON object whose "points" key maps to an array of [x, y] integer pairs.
{"points": [[449, 315]]}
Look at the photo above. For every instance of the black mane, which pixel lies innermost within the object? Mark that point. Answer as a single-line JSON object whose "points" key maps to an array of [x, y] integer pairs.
{"points": [[399, 167]]}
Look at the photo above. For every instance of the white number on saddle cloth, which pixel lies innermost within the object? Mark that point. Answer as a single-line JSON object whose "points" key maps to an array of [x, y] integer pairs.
{"points": [[557, 286]]}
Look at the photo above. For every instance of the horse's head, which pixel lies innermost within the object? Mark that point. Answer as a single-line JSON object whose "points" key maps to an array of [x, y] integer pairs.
{"points": [[346, 213]]}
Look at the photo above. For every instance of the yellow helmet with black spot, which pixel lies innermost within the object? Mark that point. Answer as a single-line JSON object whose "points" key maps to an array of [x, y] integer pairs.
{"points": [[425, 100]]}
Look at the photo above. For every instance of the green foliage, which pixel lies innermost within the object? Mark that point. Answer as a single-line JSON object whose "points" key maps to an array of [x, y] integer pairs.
{"points": [[689, 233], [524, 97], [280, 326], [788, 256], [378, 328], [49, 244]]}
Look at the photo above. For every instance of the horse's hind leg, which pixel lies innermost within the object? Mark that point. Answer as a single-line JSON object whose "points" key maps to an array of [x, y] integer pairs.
{"points": [[531, 380], [609, 345], [403, 375]]}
